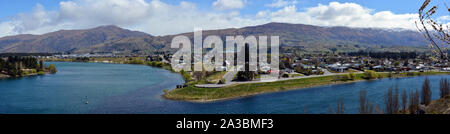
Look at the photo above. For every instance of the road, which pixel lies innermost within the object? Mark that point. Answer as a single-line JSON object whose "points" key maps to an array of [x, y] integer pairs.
{"points": [[229, 76], [263, 81]]}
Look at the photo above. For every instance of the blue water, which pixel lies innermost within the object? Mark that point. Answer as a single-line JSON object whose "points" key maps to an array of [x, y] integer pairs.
{"points": [[117, 89]]}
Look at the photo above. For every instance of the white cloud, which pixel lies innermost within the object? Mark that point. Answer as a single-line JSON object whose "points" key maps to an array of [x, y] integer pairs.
{"points": [[281, 3], [32, 21], [153, 17], [6, 28], [118, 12], [444, 19], [159, 18], [79, 14], [188, 5], [343, 14], [228, 4]]}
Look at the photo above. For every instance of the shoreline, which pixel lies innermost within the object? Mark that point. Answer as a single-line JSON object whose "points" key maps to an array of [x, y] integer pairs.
{"points": [[281, 88], [165, 67], [4, 76], [262, 93]]}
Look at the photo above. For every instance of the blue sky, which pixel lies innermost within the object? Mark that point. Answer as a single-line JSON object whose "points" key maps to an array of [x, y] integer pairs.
{"points": [[162, 17], [10, 8]]}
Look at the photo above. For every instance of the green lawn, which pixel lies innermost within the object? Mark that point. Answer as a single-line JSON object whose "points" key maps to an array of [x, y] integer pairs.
{"points": [[216, 77]]}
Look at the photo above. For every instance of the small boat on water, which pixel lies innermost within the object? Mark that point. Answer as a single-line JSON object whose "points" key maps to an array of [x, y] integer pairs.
{"points": [[87, 102]]}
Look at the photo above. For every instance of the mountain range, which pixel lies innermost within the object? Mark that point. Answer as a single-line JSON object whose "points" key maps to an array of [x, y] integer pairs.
{"points": [[293, 37]]}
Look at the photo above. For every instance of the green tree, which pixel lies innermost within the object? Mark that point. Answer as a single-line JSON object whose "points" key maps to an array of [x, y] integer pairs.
{"points": [[352, 76], [186, 76], [347, 77], [52, 68], [41, 66], [245, 75], [397, 63], [370, 74]]}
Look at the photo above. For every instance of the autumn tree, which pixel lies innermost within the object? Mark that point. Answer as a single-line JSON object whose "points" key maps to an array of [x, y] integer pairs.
{"points": [[444, 88], [340, 106], [52, 68], [426, 92], [198, 75], [391, 101], [413, 102], [404, 101], [365, 107]]}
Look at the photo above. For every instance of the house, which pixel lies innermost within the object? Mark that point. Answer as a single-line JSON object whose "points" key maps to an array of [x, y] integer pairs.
{"points": [[287, 70], [307, 66], [338, 67], [378, 68], [153, 58]]}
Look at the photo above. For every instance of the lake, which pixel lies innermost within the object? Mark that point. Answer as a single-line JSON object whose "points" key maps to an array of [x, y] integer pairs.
{"points": [[133, 89]]}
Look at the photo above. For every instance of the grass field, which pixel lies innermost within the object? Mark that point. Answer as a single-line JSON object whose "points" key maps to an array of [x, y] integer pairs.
{"points": [[194, 94]]}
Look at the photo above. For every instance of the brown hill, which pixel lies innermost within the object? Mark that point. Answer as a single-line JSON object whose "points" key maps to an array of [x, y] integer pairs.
{"points": [[65, 40], [292, 37]]}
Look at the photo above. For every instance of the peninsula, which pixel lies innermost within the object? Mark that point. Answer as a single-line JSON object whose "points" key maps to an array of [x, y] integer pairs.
{"points": [[20, 66], [195, 94]]}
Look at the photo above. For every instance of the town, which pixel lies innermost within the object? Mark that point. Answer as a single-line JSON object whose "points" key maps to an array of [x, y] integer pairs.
{"points": [[291, 65]]}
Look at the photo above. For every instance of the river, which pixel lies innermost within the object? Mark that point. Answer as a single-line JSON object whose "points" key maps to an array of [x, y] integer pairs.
{"points": [[137, 89]]}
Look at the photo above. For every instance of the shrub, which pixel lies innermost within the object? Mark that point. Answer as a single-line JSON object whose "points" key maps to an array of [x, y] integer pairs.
{"points": [[33, 71], [352, 76], [24, 73], [410, 74], [320, 72], [245, 75], [347, 77], [370, 74], [40, 73], [222, 81], [390, 75], [186, 76], [198, 75], [380, 77], [135, 61]]}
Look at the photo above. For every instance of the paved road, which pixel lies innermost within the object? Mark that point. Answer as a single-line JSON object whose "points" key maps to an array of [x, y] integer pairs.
{"points": [[325, 71], [281, 79], [272, 80], [230, 75]]}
